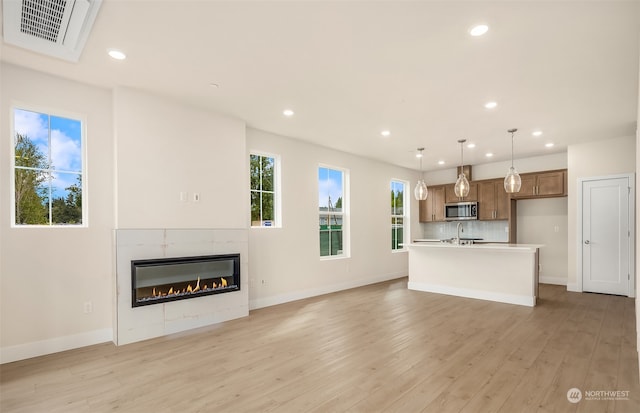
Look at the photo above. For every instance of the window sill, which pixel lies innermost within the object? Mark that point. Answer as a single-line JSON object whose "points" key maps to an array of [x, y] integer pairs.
{"points": [[334, 257]]}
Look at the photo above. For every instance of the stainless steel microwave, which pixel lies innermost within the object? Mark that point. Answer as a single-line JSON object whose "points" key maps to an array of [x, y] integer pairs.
{"points": [[460, 211]]}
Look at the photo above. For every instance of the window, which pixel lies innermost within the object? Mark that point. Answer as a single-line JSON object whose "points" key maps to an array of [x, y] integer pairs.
{"points": [[47, 169], [332, 211], [264, 187], [397, 215]]}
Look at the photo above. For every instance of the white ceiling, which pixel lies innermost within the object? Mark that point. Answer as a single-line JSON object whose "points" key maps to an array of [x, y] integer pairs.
{"points": [[350, 69]]}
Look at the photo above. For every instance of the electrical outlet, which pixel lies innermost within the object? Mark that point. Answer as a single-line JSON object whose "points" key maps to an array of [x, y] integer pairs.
{"points": [[183, 197], [88, 307], [556, 228], [196, 197]]}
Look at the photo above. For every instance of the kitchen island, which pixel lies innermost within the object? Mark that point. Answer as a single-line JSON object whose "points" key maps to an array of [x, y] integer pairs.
{"points": [[505, 273]]}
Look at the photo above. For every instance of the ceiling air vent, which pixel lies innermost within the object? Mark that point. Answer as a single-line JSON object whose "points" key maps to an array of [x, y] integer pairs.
{"points": [[57, 28]]}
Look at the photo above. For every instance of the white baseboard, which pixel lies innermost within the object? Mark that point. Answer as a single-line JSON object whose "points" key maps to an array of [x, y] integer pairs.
{"points": [[481, 295], [546, 279], [54, 345], [573, 287], [326, 289]]}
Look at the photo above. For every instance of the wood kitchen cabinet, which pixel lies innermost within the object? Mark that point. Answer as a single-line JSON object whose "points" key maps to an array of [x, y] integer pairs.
{"points": [[450, 193], [432, 209], [542, 185], [493, 200]]}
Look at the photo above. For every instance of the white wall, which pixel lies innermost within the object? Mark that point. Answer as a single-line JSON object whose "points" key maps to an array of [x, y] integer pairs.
{"points": [[544, 221], [637, 229], [601, 158], [142, 151], [287, 258], [165, 148], [47, 274]]}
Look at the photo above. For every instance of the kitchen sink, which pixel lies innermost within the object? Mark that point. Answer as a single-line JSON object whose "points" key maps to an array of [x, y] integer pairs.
{"points": [[461, 241]]}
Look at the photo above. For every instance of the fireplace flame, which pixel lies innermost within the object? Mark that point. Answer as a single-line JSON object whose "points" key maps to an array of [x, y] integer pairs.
{"points": [[175, 290]]}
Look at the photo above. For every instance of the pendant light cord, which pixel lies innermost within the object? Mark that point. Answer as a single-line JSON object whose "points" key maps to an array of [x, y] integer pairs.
{"points": [[461, 142], [420, 151], [512, 132], [512, 149]]}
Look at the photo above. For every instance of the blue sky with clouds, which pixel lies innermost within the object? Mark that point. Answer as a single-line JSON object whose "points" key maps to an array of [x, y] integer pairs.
{"points": [[57, 137], [329, 185]]}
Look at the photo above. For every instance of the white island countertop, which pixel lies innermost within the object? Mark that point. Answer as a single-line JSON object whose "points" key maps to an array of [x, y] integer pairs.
{"points": [[477, 245], [501, 272]]}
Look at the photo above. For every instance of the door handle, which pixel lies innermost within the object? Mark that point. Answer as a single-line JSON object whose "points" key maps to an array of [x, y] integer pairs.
{"points": [[587, 242]]}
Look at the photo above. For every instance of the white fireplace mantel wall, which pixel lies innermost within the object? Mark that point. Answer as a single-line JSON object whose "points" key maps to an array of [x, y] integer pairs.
{"points": [[141, 323], [166, 153]]}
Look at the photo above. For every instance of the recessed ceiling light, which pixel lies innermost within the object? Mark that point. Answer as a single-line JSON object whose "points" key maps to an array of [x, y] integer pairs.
{"points": [[479, 30], [537, 133], [549, 145], [117, 54], [287, 112], [490, 105], [489, 155], [440, 162], [471, 145], [385, 133]]}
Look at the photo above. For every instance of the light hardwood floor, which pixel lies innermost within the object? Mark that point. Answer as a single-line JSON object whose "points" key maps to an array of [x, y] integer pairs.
{"points": [[380, 348]]}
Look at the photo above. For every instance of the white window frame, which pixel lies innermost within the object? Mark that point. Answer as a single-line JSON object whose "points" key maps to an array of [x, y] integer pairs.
{"points": [[405, 208], [345, 214], [83, 139], [277, 197]]}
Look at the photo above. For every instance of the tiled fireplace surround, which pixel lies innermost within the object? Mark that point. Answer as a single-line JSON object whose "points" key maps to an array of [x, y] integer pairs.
{"points": [[141, 323]]}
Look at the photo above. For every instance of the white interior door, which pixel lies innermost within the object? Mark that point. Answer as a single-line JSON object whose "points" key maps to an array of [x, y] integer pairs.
{"points": [[606, 236]]}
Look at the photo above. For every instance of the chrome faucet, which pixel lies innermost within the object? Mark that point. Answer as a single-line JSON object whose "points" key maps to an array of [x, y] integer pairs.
{"points": [[458, 230]]}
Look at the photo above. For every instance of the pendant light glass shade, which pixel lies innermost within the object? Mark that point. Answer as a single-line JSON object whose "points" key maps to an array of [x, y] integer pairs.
{"points": [[512, 182], [462, 184], [420, 192]]}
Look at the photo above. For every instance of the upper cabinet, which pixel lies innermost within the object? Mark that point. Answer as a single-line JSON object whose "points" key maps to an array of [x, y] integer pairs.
{"points": [[432, 209], [542, 185], [450, 194], [493, 201]]}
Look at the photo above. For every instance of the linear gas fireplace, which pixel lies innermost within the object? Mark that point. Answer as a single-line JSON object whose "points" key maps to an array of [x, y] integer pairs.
{"points": [[169, 279]]}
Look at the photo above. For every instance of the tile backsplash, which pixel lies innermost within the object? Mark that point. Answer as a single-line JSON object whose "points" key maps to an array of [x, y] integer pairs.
{"points": [[489, 231]]}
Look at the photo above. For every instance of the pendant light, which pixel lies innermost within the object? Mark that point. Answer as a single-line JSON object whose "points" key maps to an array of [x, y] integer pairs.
{"points": [[512, 181], [420, 191], [462, 184]]}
